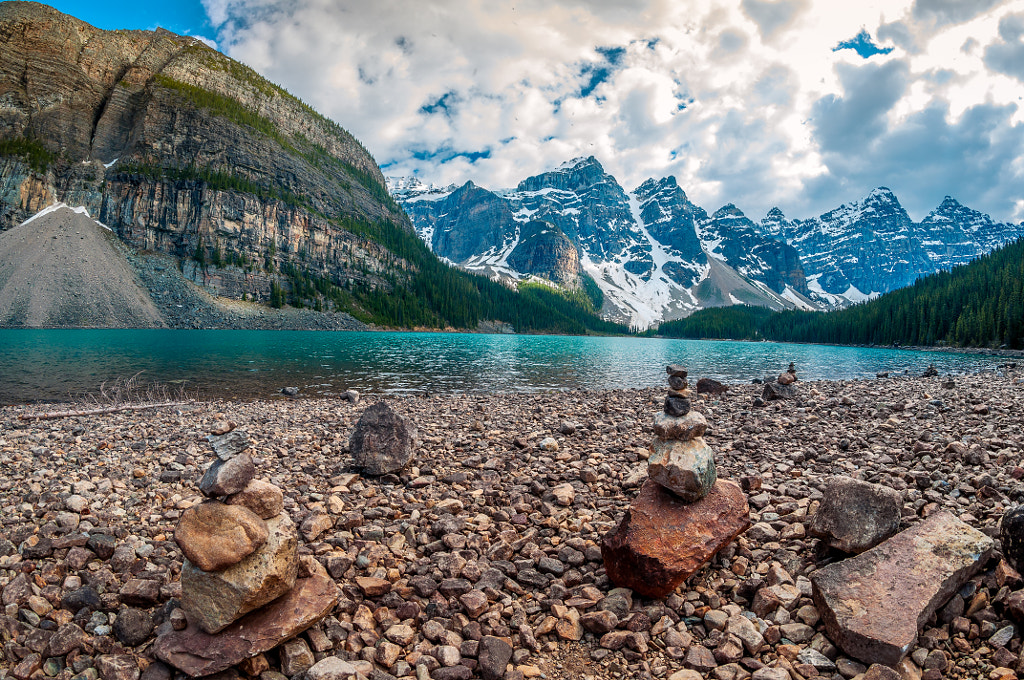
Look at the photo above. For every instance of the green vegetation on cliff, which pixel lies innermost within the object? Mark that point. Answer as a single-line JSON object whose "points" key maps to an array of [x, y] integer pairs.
{"points": [[38, 157], [438, 295], [238, 113], [980, 304]]}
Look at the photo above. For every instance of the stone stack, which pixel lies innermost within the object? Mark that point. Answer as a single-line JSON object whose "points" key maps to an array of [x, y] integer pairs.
{"points": [[683, 514], [240, 590], [681, 461]]}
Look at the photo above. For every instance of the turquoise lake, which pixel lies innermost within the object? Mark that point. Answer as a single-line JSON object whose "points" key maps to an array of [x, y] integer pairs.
{"points": [[59, 364]]}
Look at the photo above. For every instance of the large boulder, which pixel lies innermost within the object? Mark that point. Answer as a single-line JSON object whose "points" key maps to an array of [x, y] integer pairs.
{"points": [[774, 391], [874, 605], [712, 387], [1011, 534], [213, 600], [215, 536], [662, 540], [686, 468], [198, 653], [855, 516], [383, 440]]}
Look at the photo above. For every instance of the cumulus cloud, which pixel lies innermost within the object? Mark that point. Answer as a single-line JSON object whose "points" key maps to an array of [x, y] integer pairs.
{"points": [[744, 101], [1007, 55], [774, 17]]}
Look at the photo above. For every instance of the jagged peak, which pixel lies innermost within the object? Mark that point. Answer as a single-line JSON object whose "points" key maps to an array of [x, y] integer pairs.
{"points": [[883, 194], [580, 161], [775, 214], [728, 210]]}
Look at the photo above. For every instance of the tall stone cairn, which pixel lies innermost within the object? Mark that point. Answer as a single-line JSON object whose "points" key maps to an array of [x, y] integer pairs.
{"points": [[243, 587], [683, 514]]}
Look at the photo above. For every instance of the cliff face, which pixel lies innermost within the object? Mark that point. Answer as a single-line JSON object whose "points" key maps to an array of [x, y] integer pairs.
{"points": [[179, 149], [544, 250]]}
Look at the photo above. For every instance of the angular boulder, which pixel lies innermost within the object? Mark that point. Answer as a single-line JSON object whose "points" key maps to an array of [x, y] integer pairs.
{"points": [[712, 387], [686, 468], [215, 536], [198, 653], [1011, 534], [213, 600], [662, 540], [383, 440], [774, 391], [855, 516], [225, 477], [874, 605], [229, 445]]}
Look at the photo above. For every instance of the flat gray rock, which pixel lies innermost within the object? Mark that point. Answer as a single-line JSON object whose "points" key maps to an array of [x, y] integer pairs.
{"points": [[875, 605], [229, 445], [198, 653], [383, 440]]}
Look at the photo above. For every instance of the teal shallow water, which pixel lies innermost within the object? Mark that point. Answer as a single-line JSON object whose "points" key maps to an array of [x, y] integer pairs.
{"points": [[58, 364]]}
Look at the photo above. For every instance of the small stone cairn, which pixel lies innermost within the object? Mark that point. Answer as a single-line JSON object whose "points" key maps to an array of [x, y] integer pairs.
{"points": [[782, 388], [241, 588], [682, 461], [683, 514]]}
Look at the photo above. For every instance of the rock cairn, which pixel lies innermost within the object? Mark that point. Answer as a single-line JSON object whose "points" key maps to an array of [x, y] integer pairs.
{"points": [[781, 388], [240, 588], [683, 514]]}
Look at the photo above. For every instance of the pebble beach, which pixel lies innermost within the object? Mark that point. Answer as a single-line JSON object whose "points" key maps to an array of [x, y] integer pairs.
{"points": [[494, 531]]}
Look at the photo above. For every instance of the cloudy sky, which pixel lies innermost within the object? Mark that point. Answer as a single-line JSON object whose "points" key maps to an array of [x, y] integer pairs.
{"points": [[804, 104]]}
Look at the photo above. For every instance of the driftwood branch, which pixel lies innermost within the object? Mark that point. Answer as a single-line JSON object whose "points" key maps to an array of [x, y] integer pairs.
{"points": [[53, 415]]}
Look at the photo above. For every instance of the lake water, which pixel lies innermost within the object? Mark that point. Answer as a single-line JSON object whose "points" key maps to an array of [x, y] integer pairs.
{"points": [[58, 364]]}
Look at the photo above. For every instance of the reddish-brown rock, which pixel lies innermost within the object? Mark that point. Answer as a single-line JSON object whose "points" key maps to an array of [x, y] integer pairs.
{"points": [[198, 653], [874, 605], [215, 536], [661, 540]]}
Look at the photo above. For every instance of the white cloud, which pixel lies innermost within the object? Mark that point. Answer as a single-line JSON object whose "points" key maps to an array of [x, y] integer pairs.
{"points": [[742, 100]]}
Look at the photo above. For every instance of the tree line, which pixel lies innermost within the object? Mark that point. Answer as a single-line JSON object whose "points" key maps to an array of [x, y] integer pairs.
{"points": [[980, 304]]}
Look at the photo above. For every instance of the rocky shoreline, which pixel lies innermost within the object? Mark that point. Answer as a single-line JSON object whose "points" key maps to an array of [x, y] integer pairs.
{"points": [[493, 532]]}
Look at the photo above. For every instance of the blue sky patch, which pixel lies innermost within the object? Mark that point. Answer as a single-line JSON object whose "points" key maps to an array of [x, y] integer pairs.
{"points": [[593, 74], [443, 105], [863, 44], [446, 153]]}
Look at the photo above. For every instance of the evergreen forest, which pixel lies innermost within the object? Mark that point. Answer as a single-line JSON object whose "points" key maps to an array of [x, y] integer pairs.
{"points": [[980, 304]]}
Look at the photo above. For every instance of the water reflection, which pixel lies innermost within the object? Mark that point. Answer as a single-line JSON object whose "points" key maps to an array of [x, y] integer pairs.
{"points": [[56, 364]]}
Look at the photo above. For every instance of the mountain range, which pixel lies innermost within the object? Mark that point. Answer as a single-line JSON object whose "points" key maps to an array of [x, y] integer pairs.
{"points": [[254, 197], [656, 256]]}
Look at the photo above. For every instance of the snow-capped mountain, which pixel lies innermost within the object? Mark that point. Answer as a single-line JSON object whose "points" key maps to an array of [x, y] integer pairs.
{"points": [[657, 256], [865, 248]]}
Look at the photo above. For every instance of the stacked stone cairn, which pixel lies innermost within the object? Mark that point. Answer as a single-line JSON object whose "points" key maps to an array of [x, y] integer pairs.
{"points": [[243, 589], [683, 514]]}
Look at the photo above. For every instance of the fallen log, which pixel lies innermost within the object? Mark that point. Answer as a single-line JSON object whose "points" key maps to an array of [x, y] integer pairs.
{"points": [[53, 415]]}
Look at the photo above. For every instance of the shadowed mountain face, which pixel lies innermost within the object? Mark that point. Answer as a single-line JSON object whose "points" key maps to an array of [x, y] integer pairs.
{"points": [[657, 256], [545, 251], [178, 149]]}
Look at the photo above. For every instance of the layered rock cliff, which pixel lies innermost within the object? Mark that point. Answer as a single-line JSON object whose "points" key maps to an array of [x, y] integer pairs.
{"points": [[181, 150]]}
